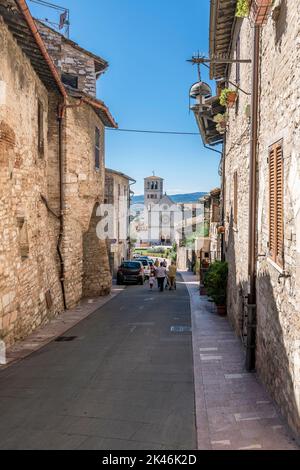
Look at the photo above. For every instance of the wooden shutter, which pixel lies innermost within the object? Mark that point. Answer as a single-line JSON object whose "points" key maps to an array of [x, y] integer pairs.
{"points": [[276, 203], [235, 198]]}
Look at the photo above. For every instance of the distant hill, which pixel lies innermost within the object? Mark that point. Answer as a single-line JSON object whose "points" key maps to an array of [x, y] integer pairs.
{"points": [[178, 198]]}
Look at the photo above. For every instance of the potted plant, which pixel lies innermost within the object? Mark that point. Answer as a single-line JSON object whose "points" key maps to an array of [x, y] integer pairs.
{"points": [[203, 270], [228, 97], [203, 290], [221, 120], [216, 284], [221, 229], [260, 10], [242, 8]]}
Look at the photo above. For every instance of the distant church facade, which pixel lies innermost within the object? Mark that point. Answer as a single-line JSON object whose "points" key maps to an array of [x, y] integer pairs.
{"points": [[159, 214]]}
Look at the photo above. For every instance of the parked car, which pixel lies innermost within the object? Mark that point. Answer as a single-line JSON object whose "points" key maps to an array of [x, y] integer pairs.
{"points": [[131, 271], [147, 267]]}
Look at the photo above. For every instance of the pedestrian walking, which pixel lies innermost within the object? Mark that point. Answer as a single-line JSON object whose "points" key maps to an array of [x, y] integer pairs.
{"points": [[156, 264], [152, 279], [172, 275], [165, 264], [161, 273]]}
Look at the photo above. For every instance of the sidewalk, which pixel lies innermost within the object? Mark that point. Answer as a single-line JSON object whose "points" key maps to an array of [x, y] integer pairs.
{"points": [[233, 410], [57, 327]]}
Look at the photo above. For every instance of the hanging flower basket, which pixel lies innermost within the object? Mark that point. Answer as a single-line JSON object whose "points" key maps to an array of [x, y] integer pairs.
{"points": [[260, 10], [228, 97], [242, 8], [221, 120]]}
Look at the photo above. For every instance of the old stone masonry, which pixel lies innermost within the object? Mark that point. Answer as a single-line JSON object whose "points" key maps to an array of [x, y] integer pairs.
{"points": [[52, 174]]}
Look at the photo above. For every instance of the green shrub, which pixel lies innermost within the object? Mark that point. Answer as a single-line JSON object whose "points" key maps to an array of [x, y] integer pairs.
{"points": [[215, 282], [242, 8]]}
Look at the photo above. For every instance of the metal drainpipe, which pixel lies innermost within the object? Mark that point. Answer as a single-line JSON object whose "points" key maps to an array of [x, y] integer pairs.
{"points": [[62, 199], [60, 117], [251, 322], [129, 220], [223, 201]]}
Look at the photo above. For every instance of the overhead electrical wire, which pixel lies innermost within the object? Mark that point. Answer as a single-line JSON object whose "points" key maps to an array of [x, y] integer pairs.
{"points": [[143, 131]]}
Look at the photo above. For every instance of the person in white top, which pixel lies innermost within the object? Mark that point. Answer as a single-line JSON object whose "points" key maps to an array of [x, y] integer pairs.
{"points": [[161, 273]]}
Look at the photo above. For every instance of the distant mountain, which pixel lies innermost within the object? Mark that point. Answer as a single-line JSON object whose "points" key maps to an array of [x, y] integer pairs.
{"points": [[178, 198]]}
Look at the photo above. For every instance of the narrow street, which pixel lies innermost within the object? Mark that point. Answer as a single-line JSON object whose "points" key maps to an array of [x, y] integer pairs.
{"points": [[125, 381]]}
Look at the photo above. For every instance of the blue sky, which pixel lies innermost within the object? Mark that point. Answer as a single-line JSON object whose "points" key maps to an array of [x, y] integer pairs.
{"points": [[146, 43]]}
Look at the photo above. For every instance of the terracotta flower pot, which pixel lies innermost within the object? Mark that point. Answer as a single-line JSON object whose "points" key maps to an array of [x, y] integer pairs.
{"points": [[260, 10], [203, 290], [221, 309], [231, 99]]}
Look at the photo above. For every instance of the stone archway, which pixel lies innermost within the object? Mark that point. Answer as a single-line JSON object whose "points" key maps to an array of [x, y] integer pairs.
{"points": [[96, 271]]}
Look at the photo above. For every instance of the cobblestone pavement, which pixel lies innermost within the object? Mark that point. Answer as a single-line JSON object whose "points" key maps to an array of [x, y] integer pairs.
{"points": [[233, 409]]}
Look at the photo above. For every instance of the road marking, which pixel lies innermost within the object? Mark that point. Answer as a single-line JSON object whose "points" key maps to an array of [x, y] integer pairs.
{"points": [[148, 299], [221, 443], [253, 446], [208, 349], [234, 376], [180, 329], [238, 417], [205, 357]]}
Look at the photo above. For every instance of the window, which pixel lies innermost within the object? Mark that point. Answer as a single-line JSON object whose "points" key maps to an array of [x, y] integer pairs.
{"points": [[276, 203], [70, 80], [235, 199], [40, 128], [97, 148]]}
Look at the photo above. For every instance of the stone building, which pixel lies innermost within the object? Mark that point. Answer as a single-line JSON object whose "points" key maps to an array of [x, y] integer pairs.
{"points": [[118, 196], [261, 187], [52, 177], [153, 189]]}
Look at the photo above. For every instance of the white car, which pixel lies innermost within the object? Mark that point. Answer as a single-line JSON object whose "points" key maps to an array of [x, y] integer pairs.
{"points": [[147, 267]]}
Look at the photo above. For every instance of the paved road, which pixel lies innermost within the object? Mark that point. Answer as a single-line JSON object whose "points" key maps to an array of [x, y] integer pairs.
{"points": [[124, 382]]}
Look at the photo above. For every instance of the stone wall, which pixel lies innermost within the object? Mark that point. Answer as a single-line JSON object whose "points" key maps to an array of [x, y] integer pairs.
{"points": [[237, 151], [278, 321], [30, 290], [69, 59], [117, 191], [84, 191], [278, 299]]}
